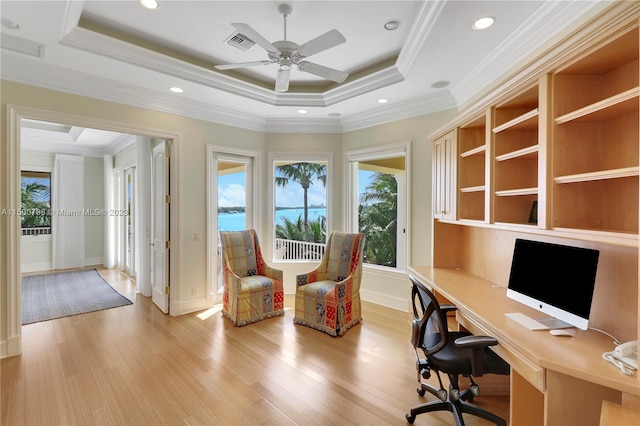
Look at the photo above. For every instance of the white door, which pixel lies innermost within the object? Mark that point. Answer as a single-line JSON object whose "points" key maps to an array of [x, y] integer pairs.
{"points": [[129, 228], [160, 226]]}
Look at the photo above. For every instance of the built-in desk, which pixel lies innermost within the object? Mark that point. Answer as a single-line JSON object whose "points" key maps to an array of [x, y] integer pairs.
{"points": [[554, 380]]}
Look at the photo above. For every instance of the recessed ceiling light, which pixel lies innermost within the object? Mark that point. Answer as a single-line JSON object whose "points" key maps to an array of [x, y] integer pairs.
{"points": [[483, 23], [9, 24], [440, 84], [302, 111], [392, 24], [149, 4], [383, 101], [175, 89]]}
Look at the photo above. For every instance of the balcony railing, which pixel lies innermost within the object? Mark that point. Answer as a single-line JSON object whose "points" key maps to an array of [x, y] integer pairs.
{"points": [[298, 250], [44, 230]]}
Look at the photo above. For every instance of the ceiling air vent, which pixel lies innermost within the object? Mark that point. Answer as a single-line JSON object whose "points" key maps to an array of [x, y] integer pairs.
{"points": [[240, 41]]}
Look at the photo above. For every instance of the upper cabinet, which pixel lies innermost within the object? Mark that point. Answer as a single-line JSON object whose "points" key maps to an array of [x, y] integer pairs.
{"points": [[444, 177], [555, 149]]}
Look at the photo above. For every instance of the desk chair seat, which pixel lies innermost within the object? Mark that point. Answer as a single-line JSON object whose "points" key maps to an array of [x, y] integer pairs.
{"points": [[452, 353]]}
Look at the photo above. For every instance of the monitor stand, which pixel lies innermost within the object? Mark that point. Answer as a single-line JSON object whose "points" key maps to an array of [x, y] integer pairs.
{"points": [[554, 323]]}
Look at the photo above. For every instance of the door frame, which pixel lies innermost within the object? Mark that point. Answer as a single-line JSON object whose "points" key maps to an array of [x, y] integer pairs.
{"points": [[12, 273], [212, 216]]}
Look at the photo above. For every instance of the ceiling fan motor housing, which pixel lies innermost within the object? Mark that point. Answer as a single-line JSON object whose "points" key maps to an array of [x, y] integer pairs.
{"points": [[287, 51]]}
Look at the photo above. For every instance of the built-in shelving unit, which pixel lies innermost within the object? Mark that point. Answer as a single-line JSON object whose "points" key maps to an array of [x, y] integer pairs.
{"points": [[472, 169], [515, 128], [595, 139], [553, 154]]}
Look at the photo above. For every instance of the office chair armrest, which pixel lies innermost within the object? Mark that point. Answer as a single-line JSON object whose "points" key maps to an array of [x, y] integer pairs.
{"points": [[477, 344], [448, 308]]}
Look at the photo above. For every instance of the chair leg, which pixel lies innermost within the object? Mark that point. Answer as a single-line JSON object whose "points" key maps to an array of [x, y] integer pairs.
{"points": [[429, 407], [479, 412]]}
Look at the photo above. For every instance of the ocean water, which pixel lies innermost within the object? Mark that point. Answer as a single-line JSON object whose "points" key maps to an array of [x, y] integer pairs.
{"points": [[235, 221]]}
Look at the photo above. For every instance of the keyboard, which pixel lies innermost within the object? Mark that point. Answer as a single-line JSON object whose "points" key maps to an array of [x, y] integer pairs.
{"points": [[526, 321]]}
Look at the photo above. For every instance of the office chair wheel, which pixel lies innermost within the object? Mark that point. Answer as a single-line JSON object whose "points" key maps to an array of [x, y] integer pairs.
{"points": [[442, 394], [475, 390], [421, 391], [410, 418], [454, 393]]}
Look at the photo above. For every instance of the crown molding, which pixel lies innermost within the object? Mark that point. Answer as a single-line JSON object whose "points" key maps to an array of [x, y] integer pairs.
{"points": [[541, 29], [99, 44], [438, 101], [422, 26]]}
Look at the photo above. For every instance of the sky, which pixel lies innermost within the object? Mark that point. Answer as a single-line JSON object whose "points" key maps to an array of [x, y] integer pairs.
{"points": [[231, 192]]}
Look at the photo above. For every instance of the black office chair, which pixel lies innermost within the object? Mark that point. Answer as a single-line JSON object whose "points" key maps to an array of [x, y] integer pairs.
{"points": [[452, 353]]}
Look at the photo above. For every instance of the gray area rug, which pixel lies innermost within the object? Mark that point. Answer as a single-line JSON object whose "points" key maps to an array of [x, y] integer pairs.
{"points": [[62, 294]]}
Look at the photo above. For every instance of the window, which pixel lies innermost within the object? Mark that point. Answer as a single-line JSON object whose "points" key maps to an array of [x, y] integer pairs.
{"points": [[300, 219], [35, 194], [378, 203]]}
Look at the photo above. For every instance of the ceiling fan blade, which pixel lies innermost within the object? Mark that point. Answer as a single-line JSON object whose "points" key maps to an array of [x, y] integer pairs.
{"points": [[322, 71], [254, 36], [325, 41], [282, 80], [242, 65]]}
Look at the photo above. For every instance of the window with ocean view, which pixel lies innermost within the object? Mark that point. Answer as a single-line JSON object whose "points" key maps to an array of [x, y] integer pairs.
{"points": [[378, 206], [300, 209]]}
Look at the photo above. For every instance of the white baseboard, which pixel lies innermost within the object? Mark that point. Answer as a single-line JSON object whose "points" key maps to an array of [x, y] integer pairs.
{"points": [[36, 267], [188, 306], [10, 347], [93, 261], [393, 302]]}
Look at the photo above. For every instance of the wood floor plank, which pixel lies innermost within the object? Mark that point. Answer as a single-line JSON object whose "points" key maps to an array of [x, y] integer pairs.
{"points": [[135, 365]]}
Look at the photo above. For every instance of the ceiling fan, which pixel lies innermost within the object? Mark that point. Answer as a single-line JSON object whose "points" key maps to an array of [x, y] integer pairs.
{"points": [[287, 53]]}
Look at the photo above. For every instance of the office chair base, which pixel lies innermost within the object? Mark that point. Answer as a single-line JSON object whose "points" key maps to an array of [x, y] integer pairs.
{"points": [[457, 408]]}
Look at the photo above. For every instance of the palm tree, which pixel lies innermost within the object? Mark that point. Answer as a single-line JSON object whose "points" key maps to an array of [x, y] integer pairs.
{"points": [[304, 174], [295, 231], [35, 211], [378, 219]]}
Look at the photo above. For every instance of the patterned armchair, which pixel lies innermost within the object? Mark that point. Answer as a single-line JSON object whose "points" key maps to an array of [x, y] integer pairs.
{"points": [[253, 290], [328, 298]]}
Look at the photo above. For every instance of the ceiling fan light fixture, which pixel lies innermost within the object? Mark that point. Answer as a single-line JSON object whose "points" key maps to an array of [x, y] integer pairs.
{"points": [[285, 53]]}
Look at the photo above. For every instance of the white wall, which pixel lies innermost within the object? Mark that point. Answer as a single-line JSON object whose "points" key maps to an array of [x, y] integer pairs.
{"points": [[36, 250]]}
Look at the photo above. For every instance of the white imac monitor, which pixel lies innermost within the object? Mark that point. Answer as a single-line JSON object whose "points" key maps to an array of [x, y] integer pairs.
{"points": [[555, 279]]}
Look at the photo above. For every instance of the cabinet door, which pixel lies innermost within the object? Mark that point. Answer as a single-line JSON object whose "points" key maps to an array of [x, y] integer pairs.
{"points": [[444, 177]]}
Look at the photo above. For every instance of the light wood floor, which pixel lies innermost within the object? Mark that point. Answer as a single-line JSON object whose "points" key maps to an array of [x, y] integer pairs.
{"points": [[135, 366]]}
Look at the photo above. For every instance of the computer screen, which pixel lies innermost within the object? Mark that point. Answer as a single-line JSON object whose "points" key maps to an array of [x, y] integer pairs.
{"points": [[556, 279]]}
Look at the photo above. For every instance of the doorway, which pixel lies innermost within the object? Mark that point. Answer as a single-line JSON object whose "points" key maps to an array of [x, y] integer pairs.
{"points": [[13, 230], [129, 228], [232, 197]]}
